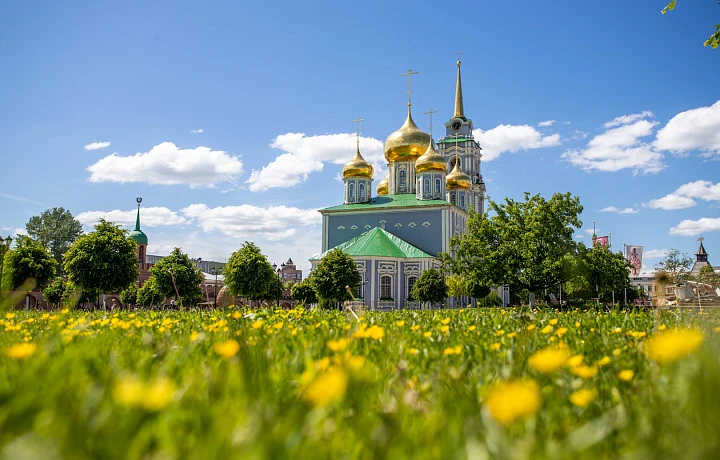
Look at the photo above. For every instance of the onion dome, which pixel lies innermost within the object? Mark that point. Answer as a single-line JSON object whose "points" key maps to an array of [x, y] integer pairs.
{"points": [[137, 234], [383, 186], [458, 180], [357, 167], [431, 160], [407, 143]]}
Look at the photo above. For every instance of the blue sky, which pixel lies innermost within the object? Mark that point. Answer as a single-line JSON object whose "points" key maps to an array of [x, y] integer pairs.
{"points": [[232, 121]]}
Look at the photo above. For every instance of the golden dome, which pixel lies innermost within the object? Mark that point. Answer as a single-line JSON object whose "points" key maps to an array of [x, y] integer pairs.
{"points": [[357, 167], [458, 180], [383, 185], [431, 160], [407, 143]]}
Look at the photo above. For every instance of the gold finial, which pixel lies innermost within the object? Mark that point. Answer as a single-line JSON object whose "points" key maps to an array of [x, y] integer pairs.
{"points": [[409, 74], [358, 120], [459, 110], [701, 239], [430, 112]]}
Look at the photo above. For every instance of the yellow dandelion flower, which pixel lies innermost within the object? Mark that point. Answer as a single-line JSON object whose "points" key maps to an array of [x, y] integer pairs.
{"points": [[445, 321], [458, 349], [561, 331], [553, 321], [9, 315], [158, 394], [604, 361], [194, 336], [549, 359], [512, 400], [716, 329], [237, 315], [348, 327], [547, 329], [413, 351], [279, 325], [258, 324], [21, 350], [444, 329], [531, 327], [673, 344], [662, 327], [575, 360], [400, 323], [577, 323], [626, 375], [64, 311], [495, 346], [499, 333], [227, 349], [449, 351], [338, 345], [511, 335], [616, 352], [327, 388], [472, 328], [415, 327], [427, 334], [585, 372], [375, 332], [129, 392], [583, 397]]}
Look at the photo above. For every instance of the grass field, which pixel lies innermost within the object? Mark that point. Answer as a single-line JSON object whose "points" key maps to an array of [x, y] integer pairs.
{"points": [[317, 384]]}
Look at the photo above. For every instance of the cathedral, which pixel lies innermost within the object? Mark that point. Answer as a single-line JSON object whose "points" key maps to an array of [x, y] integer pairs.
{"points": [[422, 203]]}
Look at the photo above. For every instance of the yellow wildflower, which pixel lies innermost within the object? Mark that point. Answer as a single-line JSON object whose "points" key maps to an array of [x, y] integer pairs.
{"points": [[427, 334], [472, 328], [616, 352], [258, 324], [716, 329], [561, 331], [194, 336], [604, 361], [279, 325], [553, 321], [338, 345], [9, 315], [673, 344], [158, 394], [444, 329], [549, 359], [400, 323], [499, 333], [511, 335], [585, 372], [512, 400], [495, 346], [547, 329], [583, 397], [531, 327], [445, 321], [21, 350], [577, 323], [327, 388], [575, 360], [413, 351], [662, 327], [64, 311], [375, 332], [227, 349], [415, 327], [129, 392], [626, 375]]}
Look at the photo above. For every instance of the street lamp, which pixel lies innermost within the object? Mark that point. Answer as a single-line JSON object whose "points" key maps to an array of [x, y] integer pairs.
{"points": [[4, 246], [278, 271], [215, 289]]}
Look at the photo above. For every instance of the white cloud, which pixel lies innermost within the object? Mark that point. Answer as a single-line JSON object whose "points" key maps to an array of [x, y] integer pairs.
{"points": [[247, 221], [619, 211], [655, 253], [696, 227], [167, 164], [304, 155], [197, 131], [683, 196], [628, 119], [619, 148], [547, 123], [695, 129], [512, 138], [149, 217], [97, 145]]}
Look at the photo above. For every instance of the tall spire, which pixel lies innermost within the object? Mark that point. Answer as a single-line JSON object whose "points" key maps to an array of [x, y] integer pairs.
{"points": [[459, 110], [137, 220]]}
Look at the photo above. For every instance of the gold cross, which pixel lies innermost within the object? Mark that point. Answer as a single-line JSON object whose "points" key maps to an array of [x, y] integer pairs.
{"points": [[358, 120], [430, 112], [409, 74], [701, 239]]}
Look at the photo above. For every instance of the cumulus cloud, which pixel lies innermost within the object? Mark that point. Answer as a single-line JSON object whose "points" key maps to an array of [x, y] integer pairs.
{"points": [[620, 147], [655, 253], [197, 131], [304, 155], [512, 138], [695, 129], [167, 164], [149, 217], [628, 119], [696, 227], [619, 211], [97, 145], [546, 123], [247, 221], [683, 196]]}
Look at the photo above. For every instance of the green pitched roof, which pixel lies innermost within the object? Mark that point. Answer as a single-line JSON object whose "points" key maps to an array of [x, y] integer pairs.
{"points": [[378, 242], [388, 201], [452, 140]]}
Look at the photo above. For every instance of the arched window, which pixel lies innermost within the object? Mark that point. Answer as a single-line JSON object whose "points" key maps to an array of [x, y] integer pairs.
{"points": [[417, 188], [351, 192], [438, 183], [361, 191], [462, 200], [426, 188], [385, 287], [410, 284], [452, 198], [403, 180]]}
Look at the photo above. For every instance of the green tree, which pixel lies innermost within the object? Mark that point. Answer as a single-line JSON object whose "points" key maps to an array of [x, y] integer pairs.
{"points": [[336, 278], [523, 244], [304, 292], [675, 264], [713, 41], [492, 299], [457, 286], [102, 261], [149, 294], [598, 272], [74, 295], [56, 229], [54, 291], [175, 275], [28, 265], [430, 287], [129, 295], [248, 273]]}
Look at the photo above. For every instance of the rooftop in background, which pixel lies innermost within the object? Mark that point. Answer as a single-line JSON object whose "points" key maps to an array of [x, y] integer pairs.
{"points": [[377, 242], [389, 201]]}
